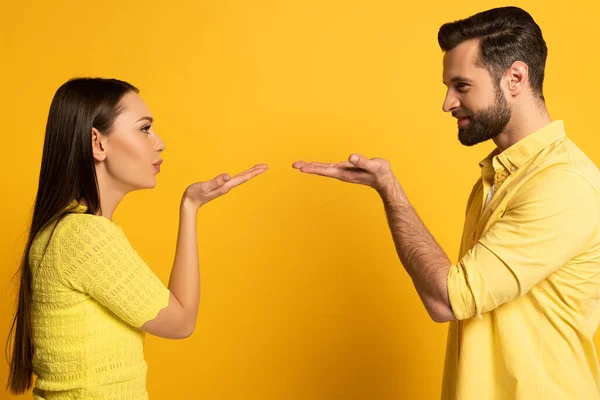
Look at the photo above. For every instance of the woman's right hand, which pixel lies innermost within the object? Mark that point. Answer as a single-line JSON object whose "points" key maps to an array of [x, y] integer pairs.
{"points": [[200, 193]]}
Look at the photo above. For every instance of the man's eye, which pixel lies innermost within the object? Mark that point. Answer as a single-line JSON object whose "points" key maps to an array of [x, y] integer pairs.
{"points": [[461, 87]]}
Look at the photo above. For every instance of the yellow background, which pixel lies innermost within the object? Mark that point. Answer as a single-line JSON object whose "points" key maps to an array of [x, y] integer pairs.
{"points": [[302, 293]]}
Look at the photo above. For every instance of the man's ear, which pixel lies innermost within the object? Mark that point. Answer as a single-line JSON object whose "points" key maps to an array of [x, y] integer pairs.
{"points": [[98, 141], [518, 78]]}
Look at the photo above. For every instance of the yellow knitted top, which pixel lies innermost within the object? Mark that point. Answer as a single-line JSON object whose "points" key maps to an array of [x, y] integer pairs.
{"points": [[91, 291]]}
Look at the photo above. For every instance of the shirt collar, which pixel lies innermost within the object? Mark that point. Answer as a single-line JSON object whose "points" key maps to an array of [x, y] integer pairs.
{"points": [[525, 149]]}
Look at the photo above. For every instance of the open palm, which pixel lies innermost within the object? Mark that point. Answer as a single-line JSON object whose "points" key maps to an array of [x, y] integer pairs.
{"points": [[374, 172], [203, 192]]}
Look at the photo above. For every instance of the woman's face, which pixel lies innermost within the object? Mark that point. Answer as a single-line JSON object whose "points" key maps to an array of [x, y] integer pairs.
{"points": [[131, 152]]}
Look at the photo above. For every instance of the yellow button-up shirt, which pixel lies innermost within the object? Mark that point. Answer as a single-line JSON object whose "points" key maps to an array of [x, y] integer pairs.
{"points": [[526, 290]]}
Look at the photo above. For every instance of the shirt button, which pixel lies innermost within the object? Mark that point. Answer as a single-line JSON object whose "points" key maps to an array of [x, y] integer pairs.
{"points": [[512, 168]]}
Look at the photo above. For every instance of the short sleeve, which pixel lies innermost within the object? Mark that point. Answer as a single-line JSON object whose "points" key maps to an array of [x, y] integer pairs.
{"points": [[97, 259]]}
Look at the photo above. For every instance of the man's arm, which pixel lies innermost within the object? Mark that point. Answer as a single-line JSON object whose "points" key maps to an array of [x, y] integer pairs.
{"points": [[548, 223], [420, 254]]}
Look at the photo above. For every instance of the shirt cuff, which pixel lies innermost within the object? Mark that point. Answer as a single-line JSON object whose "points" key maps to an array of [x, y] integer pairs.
{"points": [[460, 294], [161, 301]]}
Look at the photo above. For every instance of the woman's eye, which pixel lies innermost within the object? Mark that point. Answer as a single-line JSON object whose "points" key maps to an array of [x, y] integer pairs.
{"points": [[146, 128]]}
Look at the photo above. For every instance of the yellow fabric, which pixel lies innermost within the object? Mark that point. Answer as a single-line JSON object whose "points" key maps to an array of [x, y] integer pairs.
{"points": [[526, 289], [91, 291]]}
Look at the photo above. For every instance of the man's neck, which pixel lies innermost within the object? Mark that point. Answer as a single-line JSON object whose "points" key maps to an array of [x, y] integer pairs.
{"points": [[523, 123]]}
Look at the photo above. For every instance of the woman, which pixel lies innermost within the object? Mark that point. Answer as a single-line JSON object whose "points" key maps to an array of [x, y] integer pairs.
{"points": [[86, 298]]}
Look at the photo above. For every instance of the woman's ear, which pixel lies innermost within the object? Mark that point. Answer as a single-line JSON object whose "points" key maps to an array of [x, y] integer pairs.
{"points": [[98, 140]]}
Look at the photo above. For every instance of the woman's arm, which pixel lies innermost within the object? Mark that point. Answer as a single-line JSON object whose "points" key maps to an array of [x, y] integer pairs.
{"points": [[178, 319]]}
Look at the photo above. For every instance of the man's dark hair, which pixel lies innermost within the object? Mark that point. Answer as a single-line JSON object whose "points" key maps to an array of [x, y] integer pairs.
{"points": [[506, 35]]}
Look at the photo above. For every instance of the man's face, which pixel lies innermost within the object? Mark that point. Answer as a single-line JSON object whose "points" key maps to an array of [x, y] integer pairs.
{"points": [[473, 97]]}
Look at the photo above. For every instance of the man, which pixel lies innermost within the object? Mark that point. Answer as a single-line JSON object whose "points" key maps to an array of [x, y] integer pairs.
{"points": [[523, 299]]}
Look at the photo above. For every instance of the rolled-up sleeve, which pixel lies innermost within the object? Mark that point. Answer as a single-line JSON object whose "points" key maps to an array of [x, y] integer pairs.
{"points": [[548, 221]]}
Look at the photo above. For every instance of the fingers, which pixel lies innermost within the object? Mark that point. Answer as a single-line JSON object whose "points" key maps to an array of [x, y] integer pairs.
{"points": [[319, 169], [222, 179], [360, 161], [344, 171], [346, 165], [218, 181], [301, 164], [358, 169], [247, 175], [376, 166], [241, 178]]}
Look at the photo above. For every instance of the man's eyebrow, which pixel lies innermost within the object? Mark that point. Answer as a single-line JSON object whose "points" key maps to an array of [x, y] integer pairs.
{"points": [[459, 78]]}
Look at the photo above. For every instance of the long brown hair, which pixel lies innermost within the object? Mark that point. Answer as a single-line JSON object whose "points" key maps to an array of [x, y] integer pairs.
{"points": [[67, 173]]}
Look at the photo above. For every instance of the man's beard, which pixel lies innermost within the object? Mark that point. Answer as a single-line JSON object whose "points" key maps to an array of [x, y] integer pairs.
{"points": [[485, 124]]}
